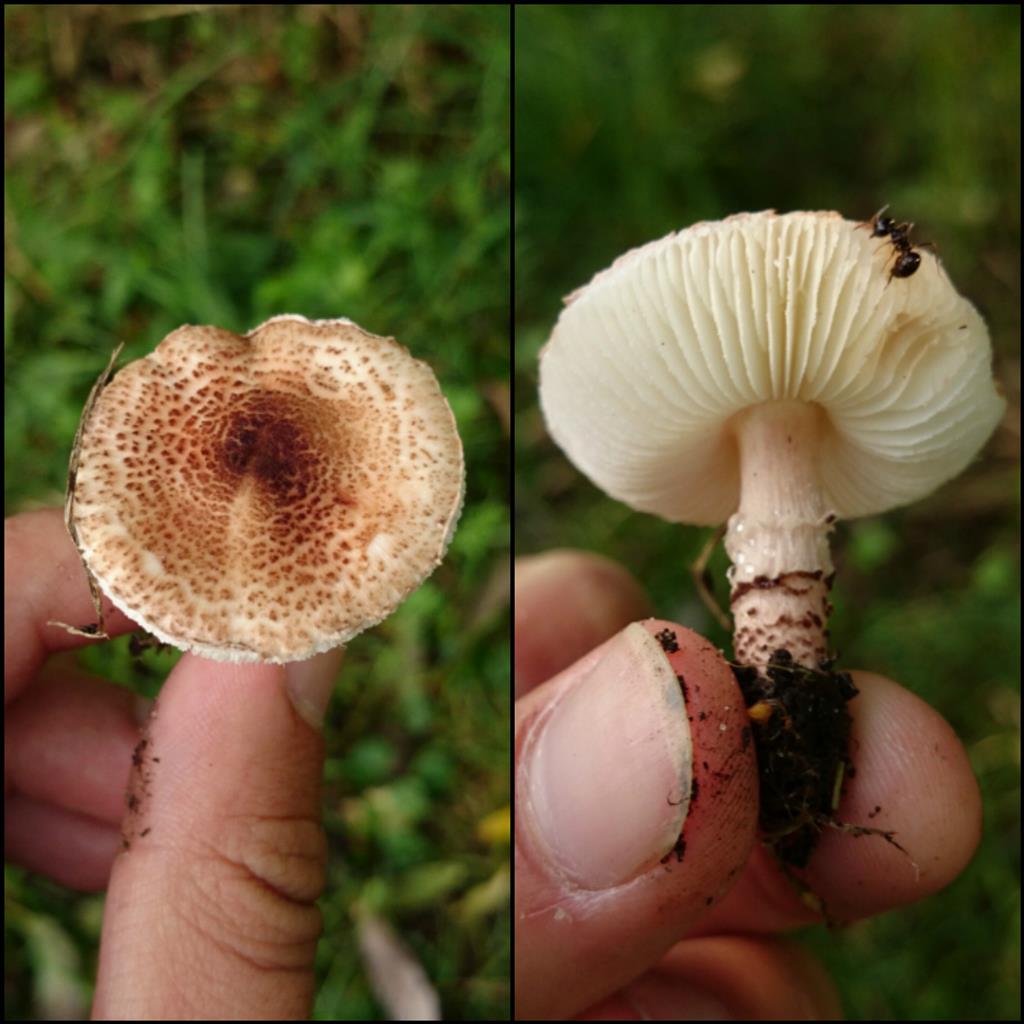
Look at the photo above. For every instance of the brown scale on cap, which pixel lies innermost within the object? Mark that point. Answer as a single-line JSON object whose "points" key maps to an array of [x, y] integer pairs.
{"points": [[267, 496]]}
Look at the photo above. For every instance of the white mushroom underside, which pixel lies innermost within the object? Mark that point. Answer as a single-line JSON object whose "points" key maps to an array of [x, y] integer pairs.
{"points": [[267, 496], [650, 361]]}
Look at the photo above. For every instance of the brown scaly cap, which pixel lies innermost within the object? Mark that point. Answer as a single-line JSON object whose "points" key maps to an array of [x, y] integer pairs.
{"points": [[264, 497]]}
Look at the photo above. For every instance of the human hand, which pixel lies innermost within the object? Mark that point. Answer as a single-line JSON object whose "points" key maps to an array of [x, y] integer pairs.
{"points": [[213, 872], [604, 930]]}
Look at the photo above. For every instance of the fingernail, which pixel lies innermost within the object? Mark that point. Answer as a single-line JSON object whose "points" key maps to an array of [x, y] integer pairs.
{"points": [[606, 771], [310, 684]]}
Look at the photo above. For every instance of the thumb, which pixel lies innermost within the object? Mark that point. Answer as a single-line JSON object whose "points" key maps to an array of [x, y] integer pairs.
{"points": [[210, 912], [641, 740]]}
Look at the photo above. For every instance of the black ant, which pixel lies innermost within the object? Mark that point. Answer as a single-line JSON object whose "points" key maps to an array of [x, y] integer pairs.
{"points": [[907, 259]]}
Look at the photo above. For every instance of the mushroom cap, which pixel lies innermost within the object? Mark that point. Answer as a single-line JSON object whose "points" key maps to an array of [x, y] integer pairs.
{"points": [[649, 363], [266, 496]]}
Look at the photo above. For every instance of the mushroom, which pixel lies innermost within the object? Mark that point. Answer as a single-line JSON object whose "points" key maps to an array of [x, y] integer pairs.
{"points": [[774, 372], [266, 496], [765, 370]]}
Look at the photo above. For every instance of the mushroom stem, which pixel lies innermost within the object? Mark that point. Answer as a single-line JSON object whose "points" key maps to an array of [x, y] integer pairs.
{"points": [[778, 538]]}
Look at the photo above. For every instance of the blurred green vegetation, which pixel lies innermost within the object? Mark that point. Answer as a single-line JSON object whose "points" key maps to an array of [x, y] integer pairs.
{"points": [[170, 165], [631, 122]]}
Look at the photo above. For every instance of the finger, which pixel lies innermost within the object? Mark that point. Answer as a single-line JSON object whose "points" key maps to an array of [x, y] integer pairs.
{"points": [[43, 581], [912, 777], [68, 741], [728, 977], [72, 849], [607, 756], [566, 603], [225, 856]]}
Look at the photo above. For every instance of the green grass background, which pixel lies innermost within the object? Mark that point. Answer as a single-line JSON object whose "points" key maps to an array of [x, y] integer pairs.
{"points": [[632, 122], [170, 165]]}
